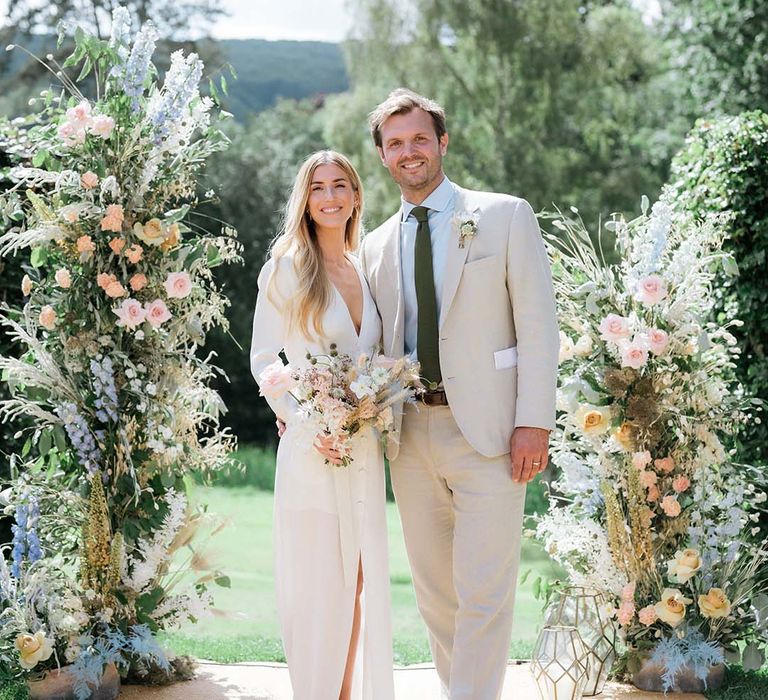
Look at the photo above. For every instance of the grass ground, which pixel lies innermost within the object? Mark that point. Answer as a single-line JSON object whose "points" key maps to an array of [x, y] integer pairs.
{"points": [[245, 626]]}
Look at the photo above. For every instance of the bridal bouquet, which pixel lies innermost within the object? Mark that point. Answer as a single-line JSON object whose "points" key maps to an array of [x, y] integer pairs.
{"points": [[649, 506], [338, 396]]}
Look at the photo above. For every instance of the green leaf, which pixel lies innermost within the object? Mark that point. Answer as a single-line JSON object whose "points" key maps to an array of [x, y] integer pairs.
{"points": [[87, 66], [214, 259], [537, 588], [38, 257], [223, 581], [44, 446], [27, 447], [730, 266], [39, 158], [224, 85], [754, 657]]}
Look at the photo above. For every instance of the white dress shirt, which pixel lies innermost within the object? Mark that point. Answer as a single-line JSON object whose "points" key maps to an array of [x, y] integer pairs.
{"points": [[440, 204]]}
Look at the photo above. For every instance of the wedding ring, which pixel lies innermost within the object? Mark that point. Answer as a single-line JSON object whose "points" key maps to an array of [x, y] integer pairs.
{"points": [[536, 464]]}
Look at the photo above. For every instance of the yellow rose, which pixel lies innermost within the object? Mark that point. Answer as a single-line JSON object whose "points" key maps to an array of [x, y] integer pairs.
{"points": [[151, 233], [593, 420], [715, 603], [33, 648], [685, 564], [671, 607]]}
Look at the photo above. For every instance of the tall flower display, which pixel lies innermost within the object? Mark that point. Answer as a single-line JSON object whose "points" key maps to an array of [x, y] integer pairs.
{"points": [[119, 296], [649, 506]]}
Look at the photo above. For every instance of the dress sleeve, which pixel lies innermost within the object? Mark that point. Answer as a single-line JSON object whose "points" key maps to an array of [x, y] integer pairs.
{"points": [[269, 333]]}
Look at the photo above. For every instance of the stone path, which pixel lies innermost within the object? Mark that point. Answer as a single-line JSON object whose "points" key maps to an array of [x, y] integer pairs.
{"points": [[261, 681]]}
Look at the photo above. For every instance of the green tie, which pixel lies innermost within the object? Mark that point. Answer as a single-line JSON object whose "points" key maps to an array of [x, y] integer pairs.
{"points": [[427, 342]]}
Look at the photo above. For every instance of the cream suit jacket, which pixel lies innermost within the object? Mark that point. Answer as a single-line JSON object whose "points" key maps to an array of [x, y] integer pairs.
{"points": [[499, 338]]}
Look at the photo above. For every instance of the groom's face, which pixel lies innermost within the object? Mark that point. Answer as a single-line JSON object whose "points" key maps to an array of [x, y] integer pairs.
{"points": [[412, 152]]}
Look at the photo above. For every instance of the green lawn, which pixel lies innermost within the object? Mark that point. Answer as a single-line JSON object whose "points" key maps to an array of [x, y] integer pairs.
{"points": [[245, 626]]}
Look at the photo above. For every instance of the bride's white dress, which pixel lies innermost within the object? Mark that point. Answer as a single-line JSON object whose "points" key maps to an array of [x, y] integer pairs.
{"points": [[326, 518]]}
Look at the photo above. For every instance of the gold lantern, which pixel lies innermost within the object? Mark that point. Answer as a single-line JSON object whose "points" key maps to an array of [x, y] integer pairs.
{"points": [[585, 609], [560, 663]]}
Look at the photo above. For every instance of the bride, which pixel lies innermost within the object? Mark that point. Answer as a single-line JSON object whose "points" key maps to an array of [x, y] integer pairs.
{"points": [[330, 529]]}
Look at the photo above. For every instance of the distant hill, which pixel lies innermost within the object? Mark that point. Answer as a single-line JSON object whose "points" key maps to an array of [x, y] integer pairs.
{"points": [[267, 70]]}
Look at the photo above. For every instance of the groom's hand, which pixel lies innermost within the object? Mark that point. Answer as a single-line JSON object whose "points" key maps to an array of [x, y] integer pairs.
{"points": [[528, 451]]}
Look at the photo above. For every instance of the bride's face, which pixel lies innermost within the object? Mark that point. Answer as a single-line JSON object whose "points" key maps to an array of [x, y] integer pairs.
{"points": [[331, 197]]}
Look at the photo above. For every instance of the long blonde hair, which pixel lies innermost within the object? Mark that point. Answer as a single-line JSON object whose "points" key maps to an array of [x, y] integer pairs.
{"points": [[299, 239]]}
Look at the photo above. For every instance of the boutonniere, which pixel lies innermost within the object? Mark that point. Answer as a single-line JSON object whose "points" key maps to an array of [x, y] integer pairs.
{"points": [[466, 222]]}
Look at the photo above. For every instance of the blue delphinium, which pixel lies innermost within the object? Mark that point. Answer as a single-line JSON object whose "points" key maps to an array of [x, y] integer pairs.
{"points": [[104, 388], [179, 88], [80, 436], [138, 62], [673, 653], [26, 543]]}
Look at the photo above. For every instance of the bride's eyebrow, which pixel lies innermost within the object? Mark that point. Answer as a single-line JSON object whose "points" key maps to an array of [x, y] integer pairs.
{"points": [[322, 182]]}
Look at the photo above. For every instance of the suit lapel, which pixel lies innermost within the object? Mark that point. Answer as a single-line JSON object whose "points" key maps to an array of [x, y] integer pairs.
{"points": [[455, 258]]}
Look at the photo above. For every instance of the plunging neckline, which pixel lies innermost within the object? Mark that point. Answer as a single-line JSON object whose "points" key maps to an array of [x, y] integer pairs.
{"points": [[360, 281]]}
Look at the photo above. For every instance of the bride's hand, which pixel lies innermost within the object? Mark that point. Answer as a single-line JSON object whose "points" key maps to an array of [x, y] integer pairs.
{"points": [[324, 444]]}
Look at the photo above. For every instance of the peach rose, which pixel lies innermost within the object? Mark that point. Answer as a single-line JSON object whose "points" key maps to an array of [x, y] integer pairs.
{"points": [[85, 245], [134, 253], [115, 290], [113, 219], [640, 460], [89, 180], [647, 616], [715, 604], [653, 494], [651, 290], [47, 318], [666, 464], [178, 285], [63, 278], [648, 478], [671, 607], [33, 648], [26, 285], [138, 282], [681, 483], [626, 613], [117, 245], [671, 506]]}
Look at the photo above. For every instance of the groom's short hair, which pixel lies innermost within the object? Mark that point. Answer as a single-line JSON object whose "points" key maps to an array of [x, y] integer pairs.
{"points": [[402, 101]]}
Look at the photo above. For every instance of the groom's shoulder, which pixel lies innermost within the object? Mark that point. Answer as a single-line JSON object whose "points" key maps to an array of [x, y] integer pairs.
{"points": [[490, 200]]}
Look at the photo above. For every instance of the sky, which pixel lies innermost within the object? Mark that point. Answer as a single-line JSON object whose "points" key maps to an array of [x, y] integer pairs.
{"points": [[327, 20]]}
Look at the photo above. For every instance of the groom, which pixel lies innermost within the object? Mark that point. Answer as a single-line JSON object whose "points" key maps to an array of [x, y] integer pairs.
{"points": [[462, 282]]}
